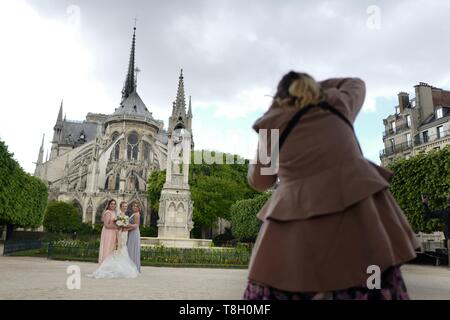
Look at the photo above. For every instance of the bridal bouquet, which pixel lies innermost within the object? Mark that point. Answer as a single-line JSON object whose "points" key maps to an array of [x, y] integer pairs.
{"points": [[122, 221]]}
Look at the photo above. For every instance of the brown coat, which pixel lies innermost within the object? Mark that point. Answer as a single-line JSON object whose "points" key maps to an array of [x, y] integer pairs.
{"points": [[331, 215]]}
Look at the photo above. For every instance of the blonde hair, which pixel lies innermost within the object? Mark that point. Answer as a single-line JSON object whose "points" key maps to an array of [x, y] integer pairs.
{"points": [[298, 90]]}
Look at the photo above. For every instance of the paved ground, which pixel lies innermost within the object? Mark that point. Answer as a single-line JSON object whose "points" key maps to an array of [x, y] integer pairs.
{"points": [[38, 278]]}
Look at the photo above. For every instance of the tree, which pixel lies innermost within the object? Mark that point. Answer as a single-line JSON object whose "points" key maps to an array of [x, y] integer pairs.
{"points": [[425, 173], [61, 217], [214, 188], [244, 223], [23, 197]]}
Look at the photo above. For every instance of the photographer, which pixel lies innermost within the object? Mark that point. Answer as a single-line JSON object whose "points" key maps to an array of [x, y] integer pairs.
{"points": [[441, 214], [332, 215]]}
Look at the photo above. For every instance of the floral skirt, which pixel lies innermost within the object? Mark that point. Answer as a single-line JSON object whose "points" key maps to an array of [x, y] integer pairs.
{"points": [[392, 288]]}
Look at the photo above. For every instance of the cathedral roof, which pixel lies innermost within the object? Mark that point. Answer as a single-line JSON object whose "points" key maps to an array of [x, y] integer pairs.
{"points": [[73, 130], [133, 105], [134, 109]]}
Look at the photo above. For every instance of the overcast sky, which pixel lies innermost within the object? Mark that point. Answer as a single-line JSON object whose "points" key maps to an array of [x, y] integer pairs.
{"points": [[233, 53]]}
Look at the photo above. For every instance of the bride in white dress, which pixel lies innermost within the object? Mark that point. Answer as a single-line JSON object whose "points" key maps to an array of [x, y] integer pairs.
{"points": [[118, 264]]}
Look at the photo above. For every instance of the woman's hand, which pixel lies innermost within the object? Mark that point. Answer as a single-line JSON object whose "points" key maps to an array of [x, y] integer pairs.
{"points": [[424, 199]]}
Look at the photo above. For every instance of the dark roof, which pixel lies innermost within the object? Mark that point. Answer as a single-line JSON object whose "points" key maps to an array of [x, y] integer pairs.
{"points": [[432, 118], [72, 130], [133, 105], [441, 97]]}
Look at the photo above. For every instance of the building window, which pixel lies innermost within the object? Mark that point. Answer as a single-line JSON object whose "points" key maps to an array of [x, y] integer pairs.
{"points": [[408, 120], [115, 153], [392, 145], [425, 136], [110, 183], [117, 182], [439, 113], [408, 140], [132, 147], [440, 132], [397, 110], [393, 126]]}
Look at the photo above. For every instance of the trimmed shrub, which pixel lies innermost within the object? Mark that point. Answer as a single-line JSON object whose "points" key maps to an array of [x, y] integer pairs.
{"points": [[23, 197], [88, 229], [244, 223], [61, 217]]}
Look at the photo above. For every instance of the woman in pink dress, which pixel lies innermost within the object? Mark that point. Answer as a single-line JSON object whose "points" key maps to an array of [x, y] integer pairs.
{"points": [[114, 260], [108, 239]]}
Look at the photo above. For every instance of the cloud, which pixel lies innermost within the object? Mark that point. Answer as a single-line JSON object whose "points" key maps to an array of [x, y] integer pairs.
{"points": [[45, 60], [242, 104], [233, 53]]}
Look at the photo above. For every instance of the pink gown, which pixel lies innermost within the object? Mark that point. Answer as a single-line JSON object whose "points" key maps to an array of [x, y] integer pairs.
{"points": [[108, 239]]}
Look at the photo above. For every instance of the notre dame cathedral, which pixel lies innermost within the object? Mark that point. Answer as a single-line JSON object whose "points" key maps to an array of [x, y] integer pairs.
{"points": [[111, 157]]}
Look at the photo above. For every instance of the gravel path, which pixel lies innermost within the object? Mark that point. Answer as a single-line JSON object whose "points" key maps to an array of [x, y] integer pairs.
{"points": [[39, 278]]}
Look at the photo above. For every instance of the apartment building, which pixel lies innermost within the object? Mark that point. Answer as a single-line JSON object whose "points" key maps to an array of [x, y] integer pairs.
{"points": [[419, 124]]}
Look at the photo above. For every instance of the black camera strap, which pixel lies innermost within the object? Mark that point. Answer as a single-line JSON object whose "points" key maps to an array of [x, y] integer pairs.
{"points": [[325, 106]]}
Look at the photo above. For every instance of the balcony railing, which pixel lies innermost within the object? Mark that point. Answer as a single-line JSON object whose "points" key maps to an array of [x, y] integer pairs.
{"points": [[418, 140], [396, 148], [398, 129]]}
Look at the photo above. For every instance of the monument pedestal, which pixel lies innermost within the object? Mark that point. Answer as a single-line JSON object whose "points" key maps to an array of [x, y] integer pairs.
{"points": [[175, 210], [176, 242]]}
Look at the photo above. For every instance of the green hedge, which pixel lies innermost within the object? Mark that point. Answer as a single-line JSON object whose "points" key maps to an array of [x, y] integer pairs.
{"points": [[158, 255], [23, 198], [244, 223], [62, 217], [151, 231], [425, 173]]}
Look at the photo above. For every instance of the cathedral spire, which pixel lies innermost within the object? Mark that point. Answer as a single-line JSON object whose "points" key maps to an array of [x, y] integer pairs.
{"points": [[179, 118], [59, 124], [180, 101], [130, 83], [60, 118], [41, 151], [40, 160], [189, 114]]}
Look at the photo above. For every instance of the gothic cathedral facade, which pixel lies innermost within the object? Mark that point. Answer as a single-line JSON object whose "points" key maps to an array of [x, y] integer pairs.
{"points": [[112, 156]]}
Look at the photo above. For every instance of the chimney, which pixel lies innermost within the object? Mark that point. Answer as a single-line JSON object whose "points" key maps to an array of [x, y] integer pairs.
{"points": [[424, 100], [403, 101]]}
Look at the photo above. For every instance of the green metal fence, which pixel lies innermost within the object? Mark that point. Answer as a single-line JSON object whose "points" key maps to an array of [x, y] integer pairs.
{"points": [[225, 257], [22, 245]]}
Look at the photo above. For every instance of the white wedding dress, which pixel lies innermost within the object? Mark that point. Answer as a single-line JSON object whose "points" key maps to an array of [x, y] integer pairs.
{"points": [[118, 264]]}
